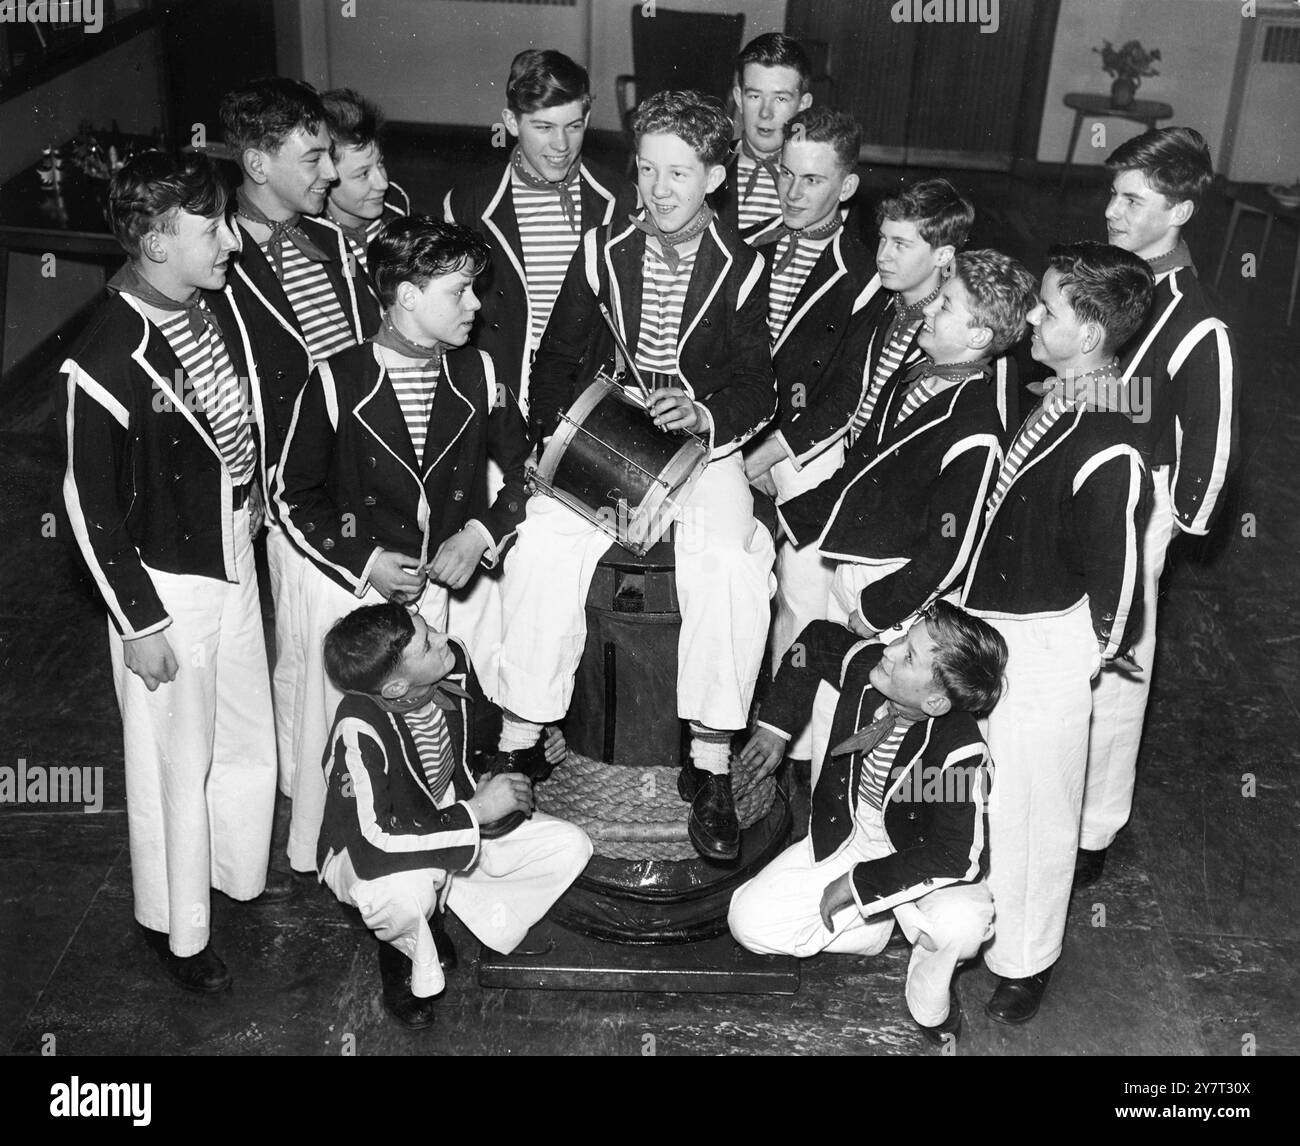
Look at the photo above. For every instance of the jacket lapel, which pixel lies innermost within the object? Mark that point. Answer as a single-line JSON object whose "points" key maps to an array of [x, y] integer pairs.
{"points": [[259, 276], [450, 414], [382, 417], [624, 259], [711, 266], [826, 272]]}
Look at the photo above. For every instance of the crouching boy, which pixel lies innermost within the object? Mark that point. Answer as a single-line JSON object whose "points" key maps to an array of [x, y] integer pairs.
{"points": [[407, 831], [898, 811]]}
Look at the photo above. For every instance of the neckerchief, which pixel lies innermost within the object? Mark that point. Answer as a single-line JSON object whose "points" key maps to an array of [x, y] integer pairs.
{"points": [[760, 164], [389, 337], [280, 231], [358, 235], [911, 311], [563, 186], [1180, 256], [697, 226], [130, 281], [865, 739], [821, 231], [1099, 389]]}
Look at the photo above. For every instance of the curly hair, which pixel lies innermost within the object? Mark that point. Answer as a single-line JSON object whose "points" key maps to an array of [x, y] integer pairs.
{"points": [[1001, 293], [150, 189], [697, 118], [418, 248]]}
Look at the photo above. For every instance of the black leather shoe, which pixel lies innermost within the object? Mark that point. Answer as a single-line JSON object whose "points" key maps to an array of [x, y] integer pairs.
{"points": [[938, 1035], [280, 886], [395, 972], [712, 825], [1016, 1001], [446, 949], [1088, 866], [530, 762], [203, 973]]}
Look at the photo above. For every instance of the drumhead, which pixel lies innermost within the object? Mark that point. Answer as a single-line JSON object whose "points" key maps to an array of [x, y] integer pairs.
{"points": [[576, 414]]}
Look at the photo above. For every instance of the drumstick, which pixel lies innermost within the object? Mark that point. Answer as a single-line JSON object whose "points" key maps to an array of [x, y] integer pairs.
{"points": [[627, 354]]}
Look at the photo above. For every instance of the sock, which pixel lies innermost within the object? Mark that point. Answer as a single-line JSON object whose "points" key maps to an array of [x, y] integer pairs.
{"points": [[710, 749], [517, 734]]}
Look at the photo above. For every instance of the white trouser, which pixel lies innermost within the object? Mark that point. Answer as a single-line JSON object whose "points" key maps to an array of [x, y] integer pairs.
{"points": [[779, 912], [510, 887], [287, 567], [200, 753], [474, 612], [1119, 700], [847, 583], [323, 603], [1038, 738], [724, 562], [803, 576]]}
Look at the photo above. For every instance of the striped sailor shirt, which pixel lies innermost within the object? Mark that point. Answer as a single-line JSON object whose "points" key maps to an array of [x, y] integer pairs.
{"points": [[786, 284], [209, 371], [315, 305], [428, 728], [879, 763], [415, 386], [764, 202], [1044, 417], [548, 241], [663, 299]]}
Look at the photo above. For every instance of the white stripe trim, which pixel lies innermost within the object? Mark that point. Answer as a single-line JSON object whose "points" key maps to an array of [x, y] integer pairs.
{"points": [[1223, 434]]}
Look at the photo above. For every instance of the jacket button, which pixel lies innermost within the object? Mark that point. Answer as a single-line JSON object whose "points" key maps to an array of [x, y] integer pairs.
{"points": [[500, 293], [496, 326], [371, 462], [458, 495], [706, 322], [817, 363], [830, 328], [928, 883], [368, 500], [309, 527], [328, 543], [911, 815]]}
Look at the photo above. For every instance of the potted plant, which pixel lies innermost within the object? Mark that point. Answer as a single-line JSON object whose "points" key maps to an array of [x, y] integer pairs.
{"points": [[1128, 65]]}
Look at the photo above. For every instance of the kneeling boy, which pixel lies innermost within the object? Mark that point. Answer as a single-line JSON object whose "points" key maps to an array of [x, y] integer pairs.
{"points": [[898, 812], [406, 828]]}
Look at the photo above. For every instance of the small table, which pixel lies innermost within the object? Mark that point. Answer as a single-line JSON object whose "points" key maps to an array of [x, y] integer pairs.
{"points": [[1090, 105], [1254, 197]]}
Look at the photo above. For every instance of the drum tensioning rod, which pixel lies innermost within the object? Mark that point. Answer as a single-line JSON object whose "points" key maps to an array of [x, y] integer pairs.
{"points": [[654, 477]]}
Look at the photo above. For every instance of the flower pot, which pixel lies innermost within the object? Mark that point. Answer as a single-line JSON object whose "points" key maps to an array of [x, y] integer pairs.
{"points": [[1122, 92]]}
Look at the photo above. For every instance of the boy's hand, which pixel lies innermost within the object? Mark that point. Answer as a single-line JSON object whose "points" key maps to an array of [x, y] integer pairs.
{"points": [[838, 894], [500, 795], [857, 626], [762, 458], [763, 753], [397, 576], [457, 558], [555, 749], [151, 659], [673, 409]]}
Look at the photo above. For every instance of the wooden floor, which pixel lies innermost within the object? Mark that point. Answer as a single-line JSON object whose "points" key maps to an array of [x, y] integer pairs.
{"points": [[1200, 947]]}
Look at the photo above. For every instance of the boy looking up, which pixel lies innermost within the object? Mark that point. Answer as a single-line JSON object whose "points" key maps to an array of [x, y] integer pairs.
{"points": [[406, 827], [898, 829], [1058, 572]]}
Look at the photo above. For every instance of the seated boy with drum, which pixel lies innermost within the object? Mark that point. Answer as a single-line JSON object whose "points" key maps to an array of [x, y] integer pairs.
{"points": [[686, 296], [899, 810], [382, 482]]}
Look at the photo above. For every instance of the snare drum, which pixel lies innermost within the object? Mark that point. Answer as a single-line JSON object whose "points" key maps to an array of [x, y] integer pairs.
{"points": [[610, 463]]}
